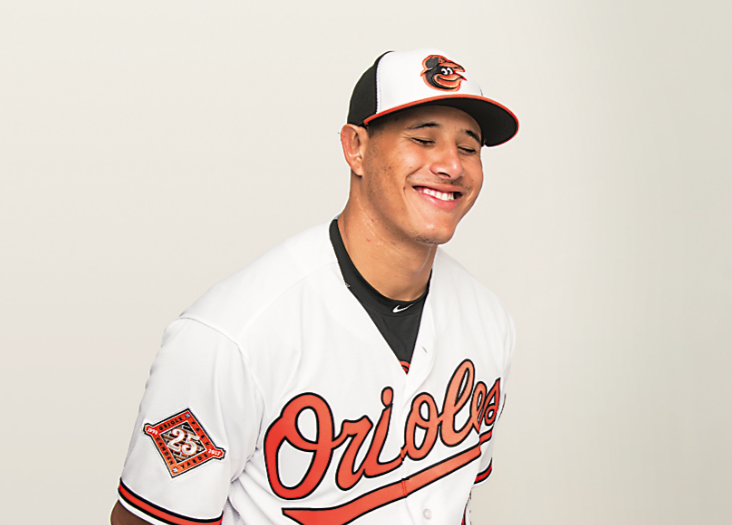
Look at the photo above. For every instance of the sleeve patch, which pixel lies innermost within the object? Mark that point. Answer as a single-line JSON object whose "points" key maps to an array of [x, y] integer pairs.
{"points": [[182, 442]]}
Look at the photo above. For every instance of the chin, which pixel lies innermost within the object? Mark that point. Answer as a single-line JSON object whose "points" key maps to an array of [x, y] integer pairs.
{"points": [[434, 237]]}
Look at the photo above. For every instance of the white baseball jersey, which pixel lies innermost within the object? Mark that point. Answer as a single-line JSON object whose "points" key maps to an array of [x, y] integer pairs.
{"points": [[275, 400]]}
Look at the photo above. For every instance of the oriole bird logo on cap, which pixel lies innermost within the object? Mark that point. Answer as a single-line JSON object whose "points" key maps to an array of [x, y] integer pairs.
{"points": [[442, 73]]}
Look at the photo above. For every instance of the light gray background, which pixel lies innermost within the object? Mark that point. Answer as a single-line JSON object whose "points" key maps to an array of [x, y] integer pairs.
{"points": [[149, 149]]}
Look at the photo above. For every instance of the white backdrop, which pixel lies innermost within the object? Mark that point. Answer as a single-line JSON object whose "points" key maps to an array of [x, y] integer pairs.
{"points": [[149, 149]]}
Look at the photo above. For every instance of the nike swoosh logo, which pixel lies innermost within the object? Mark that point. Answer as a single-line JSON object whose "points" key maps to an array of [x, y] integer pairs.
{"points": [[387, 494], [397, 309]]}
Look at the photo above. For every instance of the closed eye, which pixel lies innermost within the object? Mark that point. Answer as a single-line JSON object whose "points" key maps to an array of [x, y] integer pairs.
{"points": [[423, 142]]}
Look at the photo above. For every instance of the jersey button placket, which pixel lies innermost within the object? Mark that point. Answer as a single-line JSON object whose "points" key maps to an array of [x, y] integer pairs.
{"points": [[427, 513]]}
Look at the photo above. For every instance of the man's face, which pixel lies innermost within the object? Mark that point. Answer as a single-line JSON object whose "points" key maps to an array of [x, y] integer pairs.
{"points": [[422, 172]]}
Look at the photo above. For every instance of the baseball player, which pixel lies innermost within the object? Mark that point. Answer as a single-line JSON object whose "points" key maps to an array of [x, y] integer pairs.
{"points": [[354, 373]]}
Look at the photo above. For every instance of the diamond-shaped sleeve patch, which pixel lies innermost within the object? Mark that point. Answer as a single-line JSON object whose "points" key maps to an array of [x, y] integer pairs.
{"points": [[182, 442]]}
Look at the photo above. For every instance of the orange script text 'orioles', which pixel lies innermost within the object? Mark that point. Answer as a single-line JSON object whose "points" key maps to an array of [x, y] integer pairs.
{"points": [[461, 393]]}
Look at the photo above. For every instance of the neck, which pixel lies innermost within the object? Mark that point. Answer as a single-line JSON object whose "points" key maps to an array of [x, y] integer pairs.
{"points": [[397, 269]]}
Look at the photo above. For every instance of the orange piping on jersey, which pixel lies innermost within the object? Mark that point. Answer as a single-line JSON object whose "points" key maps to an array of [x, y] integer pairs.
{"points": [[161, 514], [484, 475]]}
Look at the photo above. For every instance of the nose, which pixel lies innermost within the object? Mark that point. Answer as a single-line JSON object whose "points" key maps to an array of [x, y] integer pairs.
{"points": [[447, 162]]}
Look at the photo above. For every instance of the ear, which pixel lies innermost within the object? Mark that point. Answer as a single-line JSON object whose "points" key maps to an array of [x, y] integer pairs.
{"points": [[353, 142]]}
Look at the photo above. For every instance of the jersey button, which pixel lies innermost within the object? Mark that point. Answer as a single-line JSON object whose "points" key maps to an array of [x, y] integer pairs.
{"points": [[427, 514]]}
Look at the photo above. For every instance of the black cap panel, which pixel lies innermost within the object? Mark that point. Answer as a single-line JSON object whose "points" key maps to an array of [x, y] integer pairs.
{"points": [[363, 99]]}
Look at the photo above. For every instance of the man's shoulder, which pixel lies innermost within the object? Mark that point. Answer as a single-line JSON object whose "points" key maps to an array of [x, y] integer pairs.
{"points": [[446, 267], [233, 302], [455, 284]]}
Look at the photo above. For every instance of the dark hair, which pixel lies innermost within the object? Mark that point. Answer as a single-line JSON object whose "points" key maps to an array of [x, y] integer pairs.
{"points": [[373, 128], [376, 125]]}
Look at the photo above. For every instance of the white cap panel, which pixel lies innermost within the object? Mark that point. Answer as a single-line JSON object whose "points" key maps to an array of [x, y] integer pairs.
{"points": [[399, 79]]}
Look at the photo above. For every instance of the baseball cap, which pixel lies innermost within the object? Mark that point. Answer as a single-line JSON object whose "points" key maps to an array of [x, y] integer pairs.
{"points": [[405, 79]]}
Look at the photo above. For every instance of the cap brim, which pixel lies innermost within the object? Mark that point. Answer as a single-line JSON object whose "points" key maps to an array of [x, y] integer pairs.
{"points": [[497, 123]]}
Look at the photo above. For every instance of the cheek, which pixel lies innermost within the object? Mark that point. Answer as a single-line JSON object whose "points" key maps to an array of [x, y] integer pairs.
{"points": [[410, 162], [476, 179], [389, 179], [380, 189], [478, 185]]}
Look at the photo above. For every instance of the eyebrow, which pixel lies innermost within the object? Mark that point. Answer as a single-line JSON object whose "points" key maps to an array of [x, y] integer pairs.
{"points": [[431, 124]]}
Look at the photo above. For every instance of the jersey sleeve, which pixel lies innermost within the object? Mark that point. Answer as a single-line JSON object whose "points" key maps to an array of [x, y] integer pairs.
{"points": [[497, 403], [198, 425]]}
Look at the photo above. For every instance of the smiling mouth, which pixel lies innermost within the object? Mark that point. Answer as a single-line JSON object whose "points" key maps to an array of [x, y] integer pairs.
{"points": [[443, 196]]}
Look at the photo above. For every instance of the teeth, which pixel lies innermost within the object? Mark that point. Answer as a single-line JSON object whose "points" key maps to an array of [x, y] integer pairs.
{"points": [[439, 195]]}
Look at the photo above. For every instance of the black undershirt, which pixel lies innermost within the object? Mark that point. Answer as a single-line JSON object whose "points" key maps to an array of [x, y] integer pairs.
{"points": [[398, 321]]}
